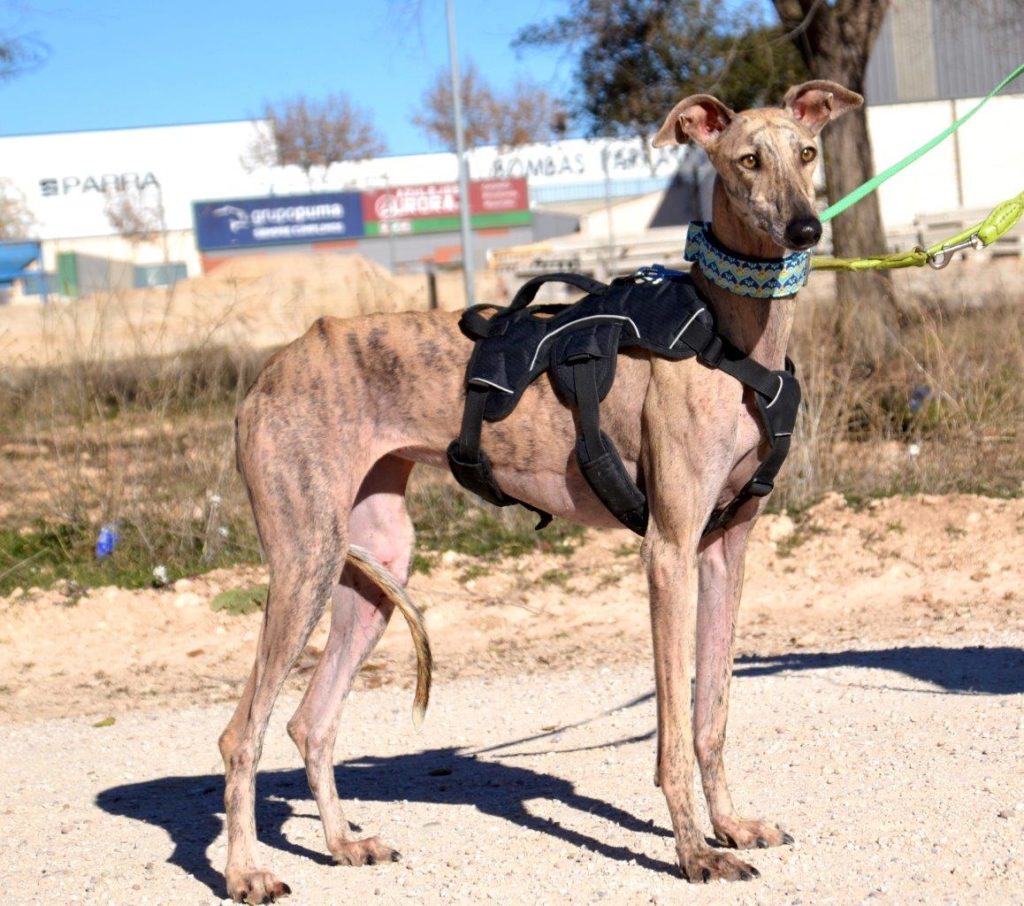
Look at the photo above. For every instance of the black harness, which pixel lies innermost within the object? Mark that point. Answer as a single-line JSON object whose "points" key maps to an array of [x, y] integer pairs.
{"points": [[657, 310]]}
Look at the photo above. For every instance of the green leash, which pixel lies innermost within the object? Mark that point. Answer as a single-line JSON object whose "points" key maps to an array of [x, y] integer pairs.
{"points": [[1001, 219], [875, 181]]}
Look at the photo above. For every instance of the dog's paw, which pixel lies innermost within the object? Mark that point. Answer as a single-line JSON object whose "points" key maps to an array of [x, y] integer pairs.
{"points": [[255, 887], [704, 864], [740, 834], [369, 851]]}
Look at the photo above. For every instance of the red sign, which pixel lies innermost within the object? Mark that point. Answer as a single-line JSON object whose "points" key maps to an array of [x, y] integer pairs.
{"points": [[495, 196], [489, 196]]}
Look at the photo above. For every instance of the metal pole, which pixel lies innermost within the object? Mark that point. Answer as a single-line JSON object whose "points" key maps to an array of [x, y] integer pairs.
{"points": [[389, 223], [460, 148], [608, 213]]}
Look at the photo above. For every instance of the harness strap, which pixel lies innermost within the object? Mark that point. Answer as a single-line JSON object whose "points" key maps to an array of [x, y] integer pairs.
{"points": [[584, 374], [472, 467], [597, 457], [528, 291], [761, 485], [716, 352], [762, 482]]}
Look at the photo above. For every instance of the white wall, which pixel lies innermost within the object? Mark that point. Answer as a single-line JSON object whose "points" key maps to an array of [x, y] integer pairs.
{"points": [[62, 176], [991, 156], [628, 218]]}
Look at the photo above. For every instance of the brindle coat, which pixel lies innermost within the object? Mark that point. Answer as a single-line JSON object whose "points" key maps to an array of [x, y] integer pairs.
{"points": [[330, 430]]}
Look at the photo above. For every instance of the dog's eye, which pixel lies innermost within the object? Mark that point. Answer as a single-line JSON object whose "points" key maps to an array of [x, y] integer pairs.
{"points": [[749, 161], [808, 154]]}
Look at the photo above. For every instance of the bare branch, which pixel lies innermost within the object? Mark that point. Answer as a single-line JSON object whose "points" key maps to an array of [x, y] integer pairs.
{"points": [[16, 220], [527, 113], [312, 134], [135, 218]]}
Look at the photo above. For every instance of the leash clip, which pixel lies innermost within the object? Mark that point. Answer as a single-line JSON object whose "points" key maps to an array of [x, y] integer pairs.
{"points": [[654, 274], [944, 255]]}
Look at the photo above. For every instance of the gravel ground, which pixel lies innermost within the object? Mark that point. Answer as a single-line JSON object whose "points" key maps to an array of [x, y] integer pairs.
{"points": [[897, 769]]}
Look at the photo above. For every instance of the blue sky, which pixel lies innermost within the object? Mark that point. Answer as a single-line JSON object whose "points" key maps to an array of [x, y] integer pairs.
{"points": [[115, 63]]}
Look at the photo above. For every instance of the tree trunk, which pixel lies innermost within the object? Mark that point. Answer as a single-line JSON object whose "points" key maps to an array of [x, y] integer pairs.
{"points": [[867, 321], [835, 40]]}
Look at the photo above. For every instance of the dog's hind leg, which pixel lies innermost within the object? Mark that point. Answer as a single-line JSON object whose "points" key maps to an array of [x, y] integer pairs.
{"points": [[303, 535], [378, 522], [298, 591], [720, 585]]}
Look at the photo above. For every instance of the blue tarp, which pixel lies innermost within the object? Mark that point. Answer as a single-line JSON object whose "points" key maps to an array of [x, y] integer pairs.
{"points": [[15, 257]]}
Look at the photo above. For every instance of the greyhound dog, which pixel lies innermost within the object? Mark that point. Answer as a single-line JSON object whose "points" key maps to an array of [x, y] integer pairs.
{"points": [[331, 428]]}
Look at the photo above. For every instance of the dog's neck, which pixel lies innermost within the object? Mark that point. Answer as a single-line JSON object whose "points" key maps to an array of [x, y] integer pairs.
{"points": [[758, 327]]}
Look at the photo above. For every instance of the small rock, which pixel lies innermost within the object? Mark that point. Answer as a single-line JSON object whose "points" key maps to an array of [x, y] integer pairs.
{"points": [[448, 558], [188, 599], [780, 528], [184, 585]]}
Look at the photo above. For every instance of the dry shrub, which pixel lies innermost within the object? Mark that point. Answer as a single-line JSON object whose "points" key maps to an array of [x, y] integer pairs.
{"points": [[141, 443], [941, 414]]}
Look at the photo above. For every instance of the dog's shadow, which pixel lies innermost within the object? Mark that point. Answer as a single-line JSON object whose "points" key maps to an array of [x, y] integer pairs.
{"points": [[190, 809], [974, 670]]}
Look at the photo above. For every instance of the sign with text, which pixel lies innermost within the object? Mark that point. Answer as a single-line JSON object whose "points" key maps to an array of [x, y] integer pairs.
{"points": [[434, 207], [254, 222]]}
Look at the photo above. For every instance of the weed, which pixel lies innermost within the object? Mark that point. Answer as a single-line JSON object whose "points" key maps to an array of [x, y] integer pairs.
{"points": [[239, 601], [559, 577], [42, 555], [803, 531], [473, 571], [870, 536], [448, 518], [423, 564]]}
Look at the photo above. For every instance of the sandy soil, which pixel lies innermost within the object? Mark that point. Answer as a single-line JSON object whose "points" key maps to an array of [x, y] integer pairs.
{"points": [[878, 715]]}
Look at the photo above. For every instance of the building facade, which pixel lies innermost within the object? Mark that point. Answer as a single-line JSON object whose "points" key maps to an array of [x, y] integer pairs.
{"points": [[146, 200]]}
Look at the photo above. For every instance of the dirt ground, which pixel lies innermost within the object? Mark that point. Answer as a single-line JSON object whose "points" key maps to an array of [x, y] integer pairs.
{"points": [[878, 715]]}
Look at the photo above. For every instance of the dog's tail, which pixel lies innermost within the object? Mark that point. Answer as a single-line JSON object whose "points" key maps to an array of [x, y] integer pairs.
{"points": [[374, 570]]}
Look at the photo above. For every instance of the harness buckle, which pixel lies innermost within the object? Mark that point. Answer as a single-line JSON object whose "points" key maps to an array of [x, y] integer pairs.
{"points": [[654, 274], [711, 354]]}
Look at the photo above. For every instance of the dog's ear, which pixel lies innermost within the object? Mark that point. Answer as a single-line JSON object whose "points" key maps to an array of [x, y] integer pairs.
{"points": [[819, 102], [699, 117]]}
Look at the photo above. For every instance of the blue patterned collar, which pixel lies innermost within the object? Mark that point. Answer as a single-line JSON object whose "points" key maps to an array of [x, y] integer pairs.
{"points": [[759, 278]]}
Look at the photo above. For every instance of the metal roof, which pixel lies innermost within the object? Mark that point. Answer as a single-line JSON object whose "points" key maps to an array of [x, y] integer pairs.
{"points": [[940, 49]]}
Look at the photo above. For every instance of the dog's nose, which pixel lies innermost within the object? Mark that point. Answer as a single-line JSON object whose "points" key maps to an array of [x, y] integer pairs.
{"points": [[803, 232]]}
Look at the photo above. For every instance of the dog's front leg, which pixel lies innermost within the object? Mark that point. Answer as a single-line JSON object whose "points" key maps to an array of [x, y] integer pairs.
{"points": [[670, 573], [720, 585]]}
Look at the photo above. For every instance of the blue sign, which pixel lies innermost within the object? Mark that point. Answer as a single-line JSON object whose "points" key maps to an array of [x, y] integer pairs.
{"points": [[254, 222]]}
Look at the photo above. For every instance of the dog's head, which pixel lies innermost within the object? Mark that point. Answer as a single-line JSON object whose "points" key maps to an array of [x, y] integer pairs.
{"points": [[765, 158]]}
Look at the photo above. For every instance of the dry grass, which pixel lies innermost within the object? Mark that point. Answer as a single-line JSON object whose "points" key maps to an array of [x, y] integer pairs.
{"points": [[942, 413], [146, 444]]}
